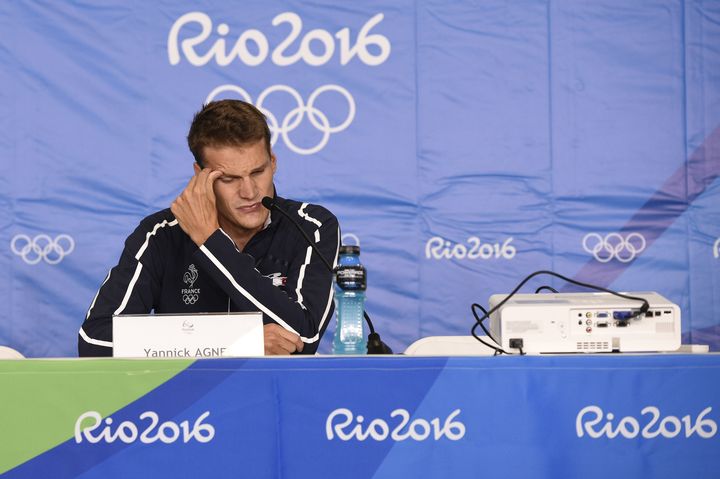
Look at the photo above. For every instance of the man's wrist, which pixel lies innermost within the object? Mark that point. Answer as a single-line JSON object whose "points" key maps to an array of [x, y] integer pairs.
{"points": [[200, 238]]}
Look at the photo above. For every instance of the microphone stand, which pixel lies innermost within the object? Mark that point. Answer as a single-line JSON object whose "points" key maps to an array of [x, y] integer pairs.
{"points": [[374, 344]]}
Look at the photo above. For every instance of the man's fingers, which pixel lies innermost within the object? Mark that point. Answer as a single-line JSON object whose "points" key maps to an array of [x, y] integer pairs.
{"points": [[203, 181], [213, 175], [289, 335], [191, 183], [278, 340], [210, 181], [286, 346], [200, 179], [276, 344], [195, 207]]}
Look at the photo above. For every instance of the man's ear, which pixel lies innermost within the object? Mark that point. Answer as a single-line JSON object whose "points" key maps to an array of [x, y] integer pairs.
{"points": [[273, 162], [196, 168]]}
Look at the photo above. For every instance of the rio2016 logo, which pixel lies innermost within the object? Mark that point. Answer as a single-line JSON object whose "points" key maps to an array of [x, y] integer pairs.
{"points": [[252, 48], [593, 421], [168, 432], [344, 425], [440, 248]]}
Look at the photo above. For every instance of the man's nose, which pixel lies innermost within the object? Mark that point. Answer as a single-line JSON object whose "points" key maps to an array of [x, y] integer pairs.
{"points": [[248, 189]]}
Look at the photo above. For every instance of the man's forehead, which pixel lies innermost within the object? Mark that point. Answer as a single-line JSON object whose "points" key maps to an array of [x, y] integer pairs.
{"points": [[241, 157], [239, 147]]}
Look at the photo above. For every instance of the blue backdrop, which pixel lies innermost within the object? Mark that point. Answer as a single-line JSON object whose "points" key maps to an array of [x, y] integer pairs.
{"points": [[462, 144]]}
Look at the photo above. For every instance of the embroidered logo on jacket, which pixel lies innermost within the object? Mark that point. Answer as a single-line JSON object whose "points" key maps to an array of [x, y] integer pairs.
{"points": [[190, 295], [277, 279]]}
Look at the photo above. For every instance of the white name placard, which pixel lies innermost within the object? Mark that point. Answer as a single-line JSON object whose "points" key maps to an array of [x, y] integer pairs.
{"points": [[188, 335]]}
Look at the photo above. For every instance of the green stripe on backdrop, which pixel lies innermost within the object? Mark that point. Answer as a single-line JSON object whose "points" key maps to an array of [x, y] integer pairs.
{"points": [[40, 400]]}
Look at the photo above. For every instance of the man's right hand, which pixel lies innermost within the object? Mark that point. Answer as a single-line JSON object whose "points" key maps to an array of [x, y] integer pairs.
{"points": [[195, 208], [280, 341]]}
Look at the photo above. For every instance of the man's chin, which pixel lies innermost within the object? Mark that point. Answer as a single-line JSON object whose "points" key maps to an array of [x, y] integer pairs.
{"points": [[256, 222]]}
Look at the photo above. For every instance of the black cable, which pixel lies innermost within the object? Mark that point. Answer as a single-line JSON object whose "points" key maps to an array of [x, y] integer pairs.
{"points": [[549, 288], [497, 350], [643, 309], [479, 322], [369, 323], [487, 333]]}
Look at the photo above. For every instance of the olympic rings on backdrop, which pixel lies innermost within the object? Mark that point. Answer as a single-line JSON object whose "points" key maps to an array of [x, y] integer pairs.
{"points": [[294, 117], [42, 247], [613, 245]]}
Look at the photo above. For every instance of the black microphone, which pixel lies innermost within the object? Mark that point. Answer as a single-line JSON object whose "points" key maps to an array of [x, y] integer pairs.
{"points": [[374, 344]]}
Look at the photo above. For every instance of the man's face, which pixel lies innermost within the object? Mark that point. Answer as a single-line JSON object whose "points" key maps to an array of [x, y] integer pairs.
{"points": [[247, 177]]}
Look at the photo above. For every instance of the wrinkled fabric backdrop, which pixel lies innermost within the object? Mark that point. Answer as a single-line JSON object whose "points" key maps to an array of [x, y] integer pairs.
{"points": [[462, 144]]}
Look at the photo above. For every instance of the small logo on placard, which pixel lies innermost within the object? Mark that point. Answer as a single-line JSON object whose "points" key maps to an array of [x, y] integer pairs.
{"points": [[190, 295]]}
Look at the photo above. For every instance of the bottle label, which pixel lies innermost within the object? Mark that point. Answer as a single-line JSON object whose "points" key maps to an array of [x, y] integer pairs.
{"points": [[351, 277]]}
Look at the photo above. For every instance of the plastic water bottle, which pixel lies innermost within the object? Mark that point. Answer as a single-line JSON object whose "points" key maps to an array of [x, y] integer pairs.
{"points": [[350, 285]]}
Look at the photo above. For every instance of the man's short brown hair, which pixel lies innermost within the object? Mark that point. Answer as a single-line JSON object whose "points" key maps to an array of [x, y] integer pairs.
{"points": [[227, 123]]}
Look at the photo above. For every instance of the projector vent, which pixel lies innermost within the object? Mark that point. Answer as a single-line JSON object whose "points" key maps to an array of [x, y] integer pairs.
{"points": [[593, 346]]}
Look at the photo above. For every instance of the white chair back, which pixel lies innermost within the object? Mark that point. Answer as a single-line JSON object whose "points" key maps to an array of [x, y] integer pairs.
{"points": [[450, 346], [9, 353]]}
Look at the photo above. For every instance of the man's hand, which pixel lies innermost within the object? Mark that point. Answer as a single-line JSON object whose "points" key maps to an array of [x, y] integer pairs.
{"points": [[279, 340], [195, 207]]}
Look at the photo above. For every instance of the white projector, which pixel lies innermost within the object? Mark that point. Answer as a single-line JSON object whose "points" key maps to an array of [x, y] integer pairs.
{"points": [[584, 323]]}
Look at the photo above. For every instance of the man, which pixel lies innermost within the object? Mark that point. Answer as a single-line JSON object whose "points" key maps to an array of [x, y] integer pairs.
{"points": [[217, 249]]}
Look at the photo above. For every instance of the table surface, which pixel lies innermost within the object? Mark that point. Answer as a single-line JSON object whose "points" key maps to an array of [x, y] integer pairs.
{"points": [[390, 416]]}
